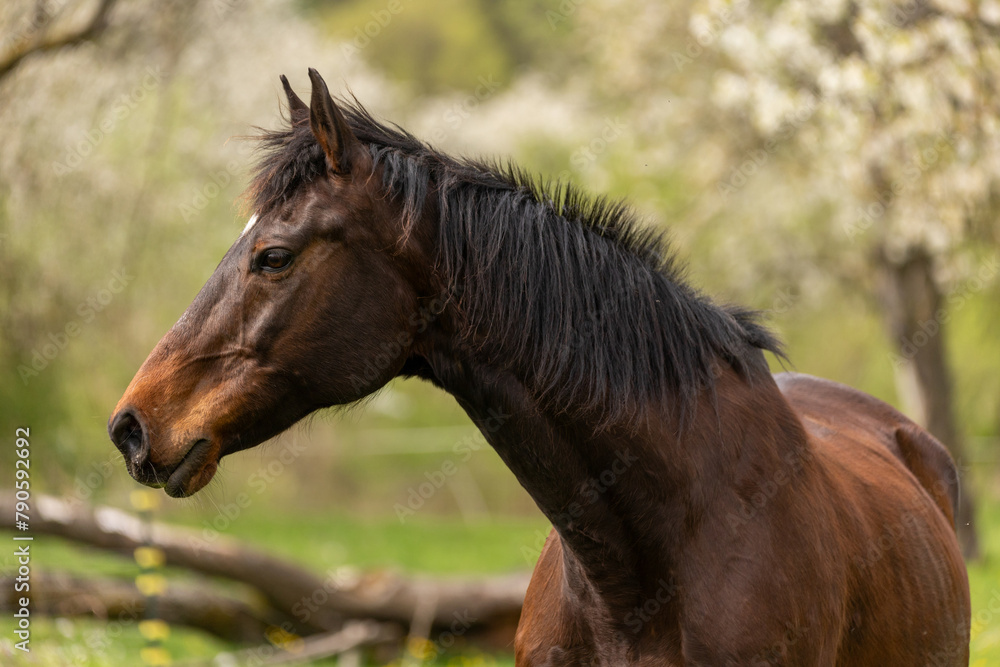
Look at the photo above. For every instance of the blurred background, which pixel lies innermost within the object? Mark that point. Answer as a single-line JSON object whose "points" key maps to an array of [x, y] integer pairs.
{"points": [[835, 164]]}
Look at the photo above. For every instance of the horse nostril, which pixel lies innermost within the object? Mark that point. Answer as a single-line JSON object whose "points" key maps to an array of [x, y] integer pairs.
{"points": [[129, 437]]}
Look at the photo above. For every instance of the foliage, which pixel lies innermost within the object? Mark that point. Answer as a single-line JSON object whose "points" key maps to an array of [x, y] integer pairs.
{"points": [[889, 108], [798, 149], [491, 39]]}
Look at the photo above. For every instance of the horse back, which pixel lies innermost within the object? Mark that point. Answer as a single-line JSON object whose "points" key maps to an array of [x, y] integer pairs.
{"points": [[825, 405]]}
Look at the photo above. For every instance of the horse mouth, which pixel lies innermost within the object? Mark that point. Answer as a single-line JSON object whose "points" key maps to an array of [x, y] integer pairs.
{"points": [[194, 471]]}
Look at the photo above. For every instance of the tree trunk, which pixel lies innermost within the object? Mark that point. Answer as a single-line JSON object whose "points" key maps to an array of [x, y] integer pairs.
{"points": [[915, 314]]}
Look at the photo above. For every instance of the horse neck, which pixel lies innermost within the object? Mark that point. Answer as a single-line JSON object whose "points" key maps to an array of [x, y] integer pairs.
{"points": [[623, 500], [624, 497]]}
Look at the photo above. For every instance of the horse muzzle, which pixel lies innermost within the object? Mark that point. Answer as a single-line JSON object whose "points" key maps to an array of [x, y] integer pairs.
{"points": [[190, 473]]}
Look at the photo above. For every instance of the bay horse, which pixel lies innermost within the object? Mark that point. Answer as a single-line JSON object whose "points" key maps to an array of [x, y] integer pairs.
{"points": [[704, 512]]}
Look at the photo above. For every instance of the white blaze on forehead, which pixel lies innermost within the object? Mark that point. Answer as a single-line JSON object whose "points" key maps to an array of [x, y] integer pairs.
{"points": [[250, 223]]}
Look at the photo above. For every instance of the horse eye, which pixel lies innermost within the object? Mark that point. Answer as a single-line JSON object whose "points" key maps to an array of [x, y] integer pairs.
{"points": [[275, 259]]}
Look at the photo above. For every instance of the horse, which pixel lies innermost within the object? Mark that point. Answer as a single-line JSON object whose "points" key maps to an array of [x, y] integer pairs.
{"points": [[703, 510]]}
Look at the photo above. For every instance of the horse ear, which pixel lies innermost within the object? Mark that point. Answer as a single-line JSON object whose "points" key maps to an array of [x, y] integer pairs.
{"points": [[294, 102], [329, 127]]}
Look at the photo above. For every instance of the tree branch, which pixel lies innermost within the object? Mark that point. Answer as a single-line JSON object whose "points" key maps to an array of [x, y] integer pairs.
{"points": [[355, 635], [64, 595], [318, 604], [42, 42]]}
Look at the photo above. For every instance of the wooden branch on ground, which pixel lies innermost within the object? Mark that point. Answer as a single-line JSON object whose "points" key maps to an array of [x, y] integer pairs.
{"points": [[316, 604], [283, 584], [116, 600], [355, 635]]}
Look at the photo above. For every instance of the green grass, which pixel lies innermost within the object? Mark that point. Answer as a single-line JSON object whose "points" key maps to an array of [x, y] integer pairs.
{"points": [[433, 545], [984, 583], [422, 544], [93, 643], [320, 543]]}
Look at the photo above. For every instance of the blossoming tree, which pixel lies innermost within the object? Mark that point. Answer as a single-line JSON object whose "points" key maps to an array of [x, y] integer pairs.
{"points": [[877, 124]]}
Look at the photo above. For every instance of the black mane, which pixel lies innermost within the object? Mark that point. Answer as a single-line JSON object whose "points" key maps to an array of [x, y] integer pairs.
{"points": [[571, 293]]}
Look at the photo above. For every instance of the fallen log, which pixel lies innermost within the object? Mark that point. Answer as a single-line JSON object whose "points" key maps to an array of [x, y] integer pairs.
{"points": [[355, 635], [116, 600], [316, 604]]}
